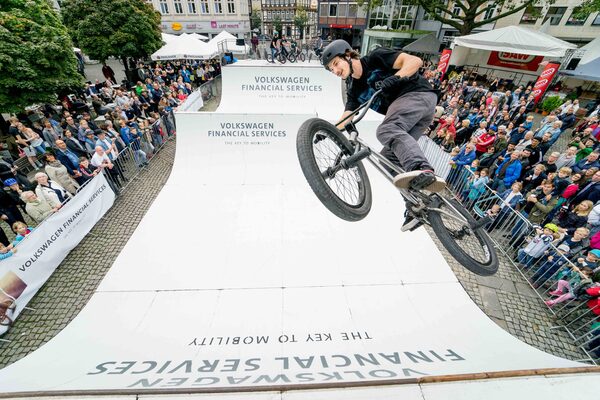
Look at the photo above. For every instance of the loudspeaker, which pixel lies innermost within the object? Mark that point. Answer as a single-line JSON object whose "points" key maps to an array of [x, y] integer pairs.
{"points": [[239, 42], [573, 64]]}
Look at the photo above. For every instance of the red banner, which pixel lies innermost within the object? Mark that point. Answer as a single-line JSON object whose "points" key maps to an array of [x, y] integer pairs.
{"points": [[444, 61], [525, 62], [544, 80]]}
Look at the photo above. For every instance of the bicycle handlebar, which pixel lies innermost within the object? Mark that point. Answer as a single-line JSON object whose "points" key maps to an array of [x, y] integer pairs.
{"points": [[364, 107]]}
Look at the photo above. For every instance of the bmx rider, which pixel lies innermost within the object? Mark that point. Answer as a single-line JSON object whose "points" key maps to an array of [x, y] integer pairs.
{"points": [[408, 103]]}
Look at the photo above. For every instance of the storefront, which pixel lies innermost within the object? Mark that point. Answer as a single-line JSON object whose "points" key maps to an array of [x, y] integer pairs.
{"points": [[209, 28]]}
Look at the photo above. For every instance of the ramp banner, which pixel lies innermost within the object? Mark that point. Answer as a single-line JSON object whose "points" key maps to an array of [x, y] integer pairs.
{"points": [[42, 251], [444, 62], [544, 80]]}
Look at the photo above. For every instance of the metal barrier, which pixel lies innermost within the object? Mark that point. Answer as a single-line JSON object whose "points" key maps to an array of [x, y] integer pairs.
{"points": [[550, 273]]}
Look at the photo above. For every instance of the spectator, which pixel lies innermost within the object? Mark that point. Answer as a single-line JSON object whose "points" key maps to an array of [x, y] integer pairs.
{"points": [[567, 159], [21, 231], [571, 284], [508, 172], [50, 191], [590, 191], [457, 163], [591, 161], [38, 209], [6, 252], [536, 246], [534, 177], [58, 173], [569, 221]]}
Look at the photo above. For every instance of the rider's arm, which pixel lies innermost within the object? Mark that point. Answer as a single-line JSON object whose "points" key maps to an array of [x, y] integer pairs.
{"points": [[344, 115], [407, 65]]}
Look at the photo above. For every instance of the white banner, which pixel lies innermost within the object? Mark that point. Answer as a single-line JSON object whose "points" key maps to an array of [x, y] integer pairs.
{"points": [[42, 251]]}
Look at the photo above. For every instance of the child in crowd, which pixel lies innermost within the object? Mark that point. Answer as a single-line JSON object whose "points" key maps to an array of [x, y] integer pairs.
{"points": [[555, 260], [21, 230], [476, 185], [572, 283], [6, 251], [537, 245]]}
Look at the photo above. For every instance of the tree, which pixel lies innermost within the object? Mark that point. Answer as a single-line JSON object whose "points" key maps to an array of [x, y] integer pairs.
{"points": [[255, 19], [117, 28], [36, 55], [465, 15], [300, 20], [278, 25]]}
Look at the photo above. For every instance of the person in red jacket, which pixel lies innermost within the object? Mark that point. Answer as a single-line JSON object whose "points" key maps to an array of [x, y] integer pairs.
{"points": [[484, 141]]}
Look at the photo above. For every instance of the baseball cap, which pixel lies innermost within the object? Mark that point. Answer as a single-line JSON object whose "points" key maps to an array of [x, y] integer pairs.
{"points": [[554, 229], [596, 253], [10, 181]]}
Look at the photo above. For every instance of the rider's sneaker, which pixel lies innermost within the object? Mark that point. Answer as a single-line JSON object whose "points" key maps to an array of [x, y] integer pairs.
{"points": [[419, 180], [410, 223]]}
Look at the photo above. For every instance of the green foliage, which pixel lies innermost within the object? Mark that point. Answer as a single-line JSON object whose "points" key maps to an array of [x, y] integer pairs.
{"points": [[472, 13], [369, 4], [117, 28], [300, 20], [586, 8], [255, 19], [278, 25], [36, 55], [551, 103]]}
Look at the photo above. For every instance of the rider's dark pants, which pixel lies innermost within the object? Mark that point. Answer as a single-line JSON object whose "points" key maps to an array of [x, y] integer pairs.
{"points": [[406, 120]]}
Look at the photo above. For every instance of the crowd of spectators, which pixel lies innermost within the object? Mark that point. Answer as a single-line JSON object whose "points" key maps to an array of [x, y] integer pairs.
{"points": [[498, 150], [103, 127]]}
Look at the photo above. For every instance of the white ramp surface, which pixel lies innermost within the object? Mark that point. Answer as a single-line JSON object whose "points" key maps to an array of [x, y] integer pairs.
{"points": [[238, 276]]}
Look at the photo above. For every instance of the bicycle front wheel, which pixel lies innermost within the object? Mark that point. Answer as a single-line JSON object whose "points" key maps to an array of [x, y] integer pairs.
{"points": [[320, 147], [301, 57], [281, 58], [292, 57], [472, 247]]}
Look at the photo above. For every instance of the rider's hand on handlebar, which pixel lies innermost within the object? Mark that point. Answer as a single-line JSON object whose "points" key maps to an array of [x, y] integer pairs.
{"points": [[393, 83]]}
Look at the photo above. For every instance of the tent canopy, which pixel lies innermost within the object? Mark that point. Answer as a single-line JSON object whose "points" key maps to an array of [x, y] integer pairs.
{"points": [[428, 44], [196, 36], [184, 47], [588, 68], [230, 43], [516, 39]]}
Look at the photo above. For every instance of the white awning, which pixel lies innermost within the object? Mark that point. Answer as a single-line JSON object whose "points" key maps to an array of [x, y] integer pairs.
{"points": [[185, 47], [516, 39]]}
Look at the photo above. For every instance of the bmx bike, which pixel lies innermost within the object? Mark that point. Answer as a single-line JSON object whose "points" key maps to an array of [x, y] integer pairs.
{"points": [[331, 160], [281, 56]]}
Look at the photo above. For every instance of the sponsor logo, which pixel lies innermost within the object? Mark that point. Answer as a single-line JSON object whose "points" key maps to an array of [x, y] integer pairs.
{"points": [[176, 26], [445, 57], [516, 57], [536, 92], [540, 83], [213, 24], [548, 72]]}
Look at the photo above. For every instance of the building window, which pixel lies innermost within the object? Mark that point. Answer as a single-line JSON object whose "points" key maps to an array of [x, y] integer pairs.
{"points": [[352, 10], [231, 6], [489, 13], [177, 6], [573, 20], [191, 6], [531, 14], [164, 7], [218, 7], [323, 11], [204, 7], [333, 10], [456, 10], [555, 14]]}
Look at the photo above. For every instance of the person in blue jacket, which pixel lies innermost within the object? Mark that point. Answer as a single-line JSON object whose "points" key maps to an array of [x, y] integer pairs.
{"points": [[464, 157], [508, 172]]}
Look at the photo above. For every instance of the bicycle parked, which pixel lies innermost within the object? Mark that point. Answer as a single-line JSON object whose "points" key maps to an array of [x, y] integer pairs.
{"points": [[281, 56], [331, 163]]}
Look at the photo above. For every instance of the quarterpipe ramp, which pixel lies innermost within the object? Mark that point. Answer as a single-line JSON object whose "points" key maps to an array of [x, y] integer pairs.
{"points": [[238, 278]]}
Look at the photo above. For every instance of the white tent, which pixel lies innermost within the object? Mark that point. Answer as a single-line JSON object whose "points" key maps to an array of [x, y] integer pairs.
{"points": [[588, 68], [196, 36], [516, 39], [229, 43], [167, 38], [184, 47]]}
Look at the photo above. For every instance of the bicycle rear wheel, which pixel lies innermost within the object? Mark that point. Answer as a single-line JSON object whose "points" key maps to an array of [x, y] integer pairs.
{"points": [[473, 248], [292, 57], [321, 146], [281, 58], [301, 57]]}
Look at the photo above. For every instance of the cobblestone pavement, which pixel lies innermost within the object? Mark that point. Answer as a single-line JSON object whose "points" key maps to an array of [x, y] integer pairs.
{"points": [[506, 297]]}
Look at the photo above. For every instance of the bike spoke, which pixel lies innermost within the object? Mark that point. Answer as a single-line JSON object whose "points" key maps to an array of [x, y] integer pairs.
{"points": [[346, 183]]}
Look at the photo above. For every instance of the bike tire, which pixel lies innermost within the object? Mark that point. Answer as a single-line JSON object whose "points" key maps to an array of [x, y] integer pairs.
{"points": [[269, 58], [302, 57], [313, 174], [292, 57], [281, 58], [484, 243]]}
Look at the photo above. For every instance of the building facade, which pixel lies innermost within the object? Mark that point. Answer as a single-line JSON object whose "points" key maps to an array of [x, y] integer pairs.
{"points": [[342, 19], [208, 17], [561, 21], [285, 10]]}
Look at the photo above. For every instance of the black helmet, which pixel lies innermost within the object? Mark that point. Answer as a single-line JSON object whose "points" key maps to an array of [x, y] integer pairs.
{"points": [[336, 48]]}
